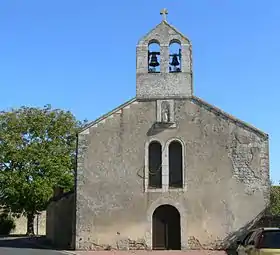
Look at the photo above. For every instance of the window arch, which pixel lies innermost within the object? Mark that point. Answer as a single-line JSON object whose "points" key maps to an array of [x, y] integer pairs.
{"points": [[155, 165], [175, 56], [175, 163], [154, 57]]}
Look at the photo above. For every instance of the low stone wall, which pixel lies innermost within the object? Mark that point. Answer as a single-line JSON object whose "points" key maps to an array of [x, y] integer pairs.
{"points": [[21, 224], [60, 218], [39, 224]]}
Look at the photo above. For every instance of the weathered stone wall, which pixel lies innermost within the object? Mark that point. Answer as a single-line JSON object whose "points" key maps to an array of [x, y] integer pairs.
{"points": [[163, 84], [226, 169], [60, 217]]}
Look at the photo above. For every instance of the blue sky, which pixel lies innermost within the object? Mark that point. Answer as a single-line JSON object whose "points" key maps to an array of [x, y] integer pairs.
{"points": [[80, 55]]}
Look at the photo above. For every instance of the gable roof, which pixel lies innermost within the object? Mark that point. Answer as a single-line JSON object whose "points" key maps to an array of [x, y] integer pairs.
{"points": [[106, 115], [227, 116], [195, 100], [163, 23]]}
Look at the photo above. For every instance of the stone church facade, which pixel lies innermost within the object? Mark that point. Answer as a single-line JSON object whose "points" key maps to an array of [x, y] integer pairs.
{"points": [[167, 170]]}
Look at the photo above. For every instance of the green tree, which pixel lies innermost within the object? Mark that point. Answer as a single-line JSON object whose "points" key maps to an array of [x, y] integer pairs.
{"points": [[275, 200], [37, 153]]}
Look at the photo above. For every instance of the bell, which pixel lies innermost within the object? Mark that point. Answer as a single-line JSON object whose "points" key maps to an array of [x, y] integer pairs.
{"points": [[154, 62], [175, 61]]}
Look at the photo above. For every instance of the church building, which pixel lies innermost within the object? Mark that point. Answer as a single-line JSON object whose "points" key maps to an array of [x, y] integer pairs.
{"points": [[167, 170]]}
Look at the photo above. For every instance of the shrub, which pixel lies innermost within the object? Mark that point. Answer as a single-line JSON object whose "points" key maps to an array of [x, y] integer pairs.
{"points": [[7, 224]]}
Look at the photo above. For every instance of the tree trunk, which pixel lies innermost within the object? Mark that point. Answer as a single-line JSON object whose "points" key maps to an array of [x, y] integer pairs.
{"points": [[30, 224]]}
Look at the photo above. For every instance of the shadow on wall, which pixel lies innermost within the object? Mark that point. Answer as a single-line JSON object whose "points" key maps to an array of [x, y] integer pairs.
{"points": [[16, 224], [158, 127], [7, 224], [60, 217], [39, 224], [263, 219]]}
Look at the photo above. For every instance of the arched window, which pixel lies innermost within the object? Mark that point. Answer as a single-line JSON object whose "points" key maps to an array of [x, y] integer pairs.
{"points": [[175, 57], [155, 165], [154, 57], [175, 164]]}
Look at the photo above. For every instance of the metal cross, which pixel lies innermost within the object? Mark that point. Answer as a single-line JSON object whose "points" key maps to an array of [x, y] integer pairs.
{"points": [[164, 13]]}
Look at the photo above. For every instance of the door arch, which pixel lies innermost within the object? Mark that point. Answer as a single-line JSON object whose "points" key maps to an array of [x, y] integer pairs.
{"points": [[166, 228]]}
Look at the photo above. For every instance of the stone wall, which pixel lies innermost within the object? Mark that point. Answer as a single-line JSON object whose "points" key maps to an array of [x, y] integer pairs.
{"points": [[39, 224], [59, 227], [226, 168], [21, 224], [163, 84]]}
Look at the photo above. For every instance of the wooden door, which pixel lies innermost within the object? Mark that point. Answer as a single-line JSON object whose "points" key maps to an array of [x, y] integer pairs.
{"points": [[166, 230]]}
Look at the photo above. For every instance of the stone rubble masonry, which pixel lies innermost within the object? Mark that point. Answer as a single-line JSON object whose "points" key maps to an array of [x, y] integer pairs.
{"points": [[226, 163], [227, 168], [163, 84], [190, 252]]}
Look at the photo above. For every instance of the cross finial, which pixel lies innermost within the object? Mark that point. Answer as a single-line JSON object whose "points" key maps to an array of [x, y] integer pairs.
{"points": [[164, 13]]}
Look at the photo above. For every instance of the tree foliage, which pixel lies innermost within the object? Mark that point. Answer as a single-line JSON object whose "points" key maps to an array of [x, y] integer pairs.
{"points": [[37, 153], [275, 200], [7, 224]]}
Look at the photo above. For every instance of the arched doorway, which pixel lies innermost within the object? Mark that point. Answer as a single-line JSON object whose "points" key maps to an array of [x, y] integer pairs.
{"points": [[166, 228]]}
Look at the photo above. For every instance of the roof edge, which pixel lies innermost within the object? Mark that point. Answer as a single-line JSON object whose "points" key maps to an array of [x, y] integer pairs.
{"points": [[146, 35], [143, 38], [106, 115], [229, 116], [193, 99], [177, 31]]}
